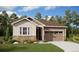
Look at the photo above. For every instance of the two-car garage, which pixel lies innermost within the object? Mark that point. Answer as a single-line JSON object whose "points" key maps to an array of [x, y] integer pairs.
{"points": [[54, 34]]}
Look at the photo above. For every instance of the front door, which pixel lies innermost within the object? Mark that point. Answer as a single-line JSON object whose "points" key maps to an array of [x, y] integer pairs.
{"points": [[39, 33]]}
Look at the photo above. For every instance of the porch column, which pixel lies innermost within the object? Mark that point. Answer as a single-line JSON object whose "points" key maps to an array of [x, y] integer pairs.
{"points": [[64, 34], [42, 33]]}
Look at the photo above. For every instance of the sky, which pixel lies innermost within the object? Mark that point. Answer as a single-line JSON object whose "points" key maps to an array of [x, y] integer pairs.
{"points": [[44, 10]]}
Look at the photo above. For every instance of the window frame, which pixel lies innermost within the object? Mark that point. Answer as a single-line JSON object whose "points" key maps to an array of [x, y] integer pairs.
{"points": [[24, 31], [28, 30]]}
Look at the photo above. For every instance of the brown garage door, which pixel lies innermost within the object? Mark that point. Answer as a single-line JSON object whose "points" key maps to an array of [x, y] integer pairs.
{"points": [[48, 36], [53, 36]]}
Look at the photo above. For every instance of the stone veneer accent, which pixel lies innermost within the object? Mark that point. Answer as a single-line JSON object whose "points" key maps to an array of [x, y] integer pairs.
{"points": [[23, 38]]}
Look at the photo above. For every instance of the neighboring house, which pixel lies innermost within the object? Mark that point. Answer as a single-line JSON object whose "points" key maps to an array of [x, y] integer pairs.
{"points": [[28, 28]]}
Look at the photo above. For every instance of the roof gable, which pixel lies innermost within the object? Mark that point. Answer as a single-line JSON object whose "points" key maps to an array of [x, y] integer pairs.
{"points": [[27, 18]]}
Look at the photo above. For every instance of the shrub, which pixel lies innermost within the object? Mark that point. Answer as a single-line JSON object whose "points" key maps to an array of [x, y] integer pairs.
{"points": [[10, 38], [70, 38], [12, 41], [25, 41], [76, 39], [1, 39], [31, 41]]}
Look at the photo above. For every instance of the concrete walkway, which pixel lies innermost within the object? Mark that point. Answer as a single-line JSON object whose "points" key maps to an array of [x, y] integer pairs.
{"points": [[66, 46]]}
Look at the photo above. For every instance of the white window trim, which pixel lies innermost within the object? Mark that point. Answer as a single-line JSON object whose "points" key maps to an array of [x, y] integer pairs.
{"points": [[23, 31], [27, 31]]}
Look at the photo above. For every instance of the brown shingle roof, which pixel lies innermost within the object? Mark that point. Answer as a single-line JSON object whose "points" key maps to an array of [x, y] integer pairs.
{"points": [[51, 23], [45, 22], [36, 22]]}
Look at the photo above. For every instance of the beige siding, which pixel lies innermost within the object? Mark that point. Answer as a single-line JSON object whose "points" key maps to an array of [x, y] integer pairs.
{"points": [[24, 23]]}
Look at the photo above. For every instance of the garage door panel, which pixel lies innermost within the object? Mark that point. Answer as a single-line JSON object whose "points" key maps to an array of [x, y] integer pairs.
{"points": [[53, 36], [48, 36]]}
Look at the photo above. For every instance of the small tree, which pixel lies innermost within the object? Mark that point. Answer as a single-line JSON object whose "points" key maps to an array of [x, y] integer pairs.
{"points": [[6, 17], [52, 18], [38, 16], [46, 17], [58, 19], [68, 20], [14, 16]]}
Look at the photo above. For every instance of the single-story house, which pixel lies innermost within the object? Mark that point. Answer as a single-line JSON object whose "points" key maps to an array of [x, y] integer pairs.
{"points": [[29, 28]]}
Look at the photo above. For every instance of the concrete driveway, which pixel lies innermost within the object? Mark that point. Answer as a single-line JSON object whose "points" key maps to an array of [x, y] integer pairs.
{"points": [[66, 46]]}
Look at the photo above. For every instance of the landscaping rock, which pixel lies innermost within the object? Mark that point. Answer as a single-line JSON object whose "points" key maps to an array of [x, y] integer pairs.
{"points": [[25, 42], [35, 42], [16, 43]]}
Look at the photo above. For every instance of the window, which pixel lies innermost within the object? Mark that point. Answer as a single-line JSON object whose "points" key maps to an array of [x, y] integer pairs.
{"points": [[60, 32], [55, 32], [24, 30], [20, 30]]}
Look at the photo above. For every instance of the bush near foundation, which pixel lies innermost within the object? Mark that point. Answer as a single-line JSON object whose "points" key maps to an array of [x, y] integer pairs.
{"points": [[1, 40], [76, 39], [29, 41], [12, 41]]}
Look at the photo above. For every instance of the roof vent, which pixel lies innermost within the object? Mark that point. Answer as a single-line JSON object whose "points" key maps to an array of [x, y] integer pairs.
{"points": [[30, 18]]}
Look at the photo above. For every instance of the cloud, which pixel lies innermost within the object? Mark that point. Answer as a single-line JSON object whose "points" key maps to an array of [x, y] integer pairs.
{"points": [[10, 12], [29, 8], [50, 7], [7, 8]]}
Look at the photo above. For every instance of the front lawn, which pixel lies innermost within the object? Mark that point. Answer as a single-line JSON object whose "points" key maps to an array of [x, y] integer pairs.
{"points": [[29, 48]]}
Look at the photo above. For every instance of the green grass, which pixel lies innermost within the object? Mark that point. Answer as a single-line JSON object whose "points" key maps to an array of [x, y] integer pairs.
{"points": [[76, 38], [29, 48]]}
